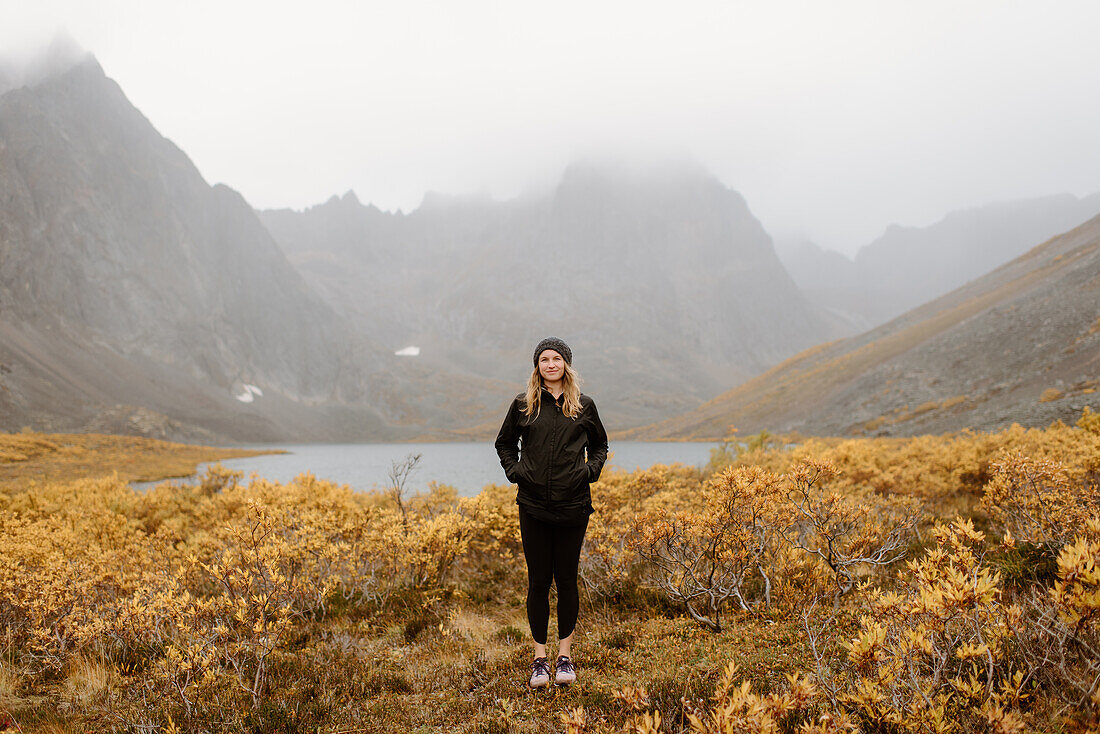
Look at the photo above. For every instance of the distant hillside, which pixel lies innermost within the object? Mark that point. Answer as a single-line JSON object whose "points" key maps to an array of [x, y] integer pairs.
{"points": [[661, 279], [136, 298], [908, 266], [1021, 344]]}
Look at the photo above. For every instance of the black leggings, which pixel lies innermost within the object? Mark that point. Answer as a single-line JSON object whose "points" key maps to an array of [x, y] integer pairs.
{"points": [[553, 553]]}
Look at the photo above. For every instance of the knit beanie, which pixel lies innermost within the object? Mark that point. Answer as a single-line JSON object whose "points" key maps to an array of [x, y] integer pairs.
{"points": [[552, 342]]}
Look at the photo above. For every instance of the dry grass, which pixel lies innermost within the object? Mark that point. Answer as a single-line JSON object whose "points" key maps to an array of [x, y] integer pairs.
{"points": [[464, 678], [29, 457], [9, 685], [86, 681]]}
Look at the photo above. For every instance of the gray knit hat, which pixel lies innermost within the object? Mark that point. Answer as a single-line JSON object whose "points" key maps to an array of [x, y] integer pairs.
{"points": [[552, 342]]}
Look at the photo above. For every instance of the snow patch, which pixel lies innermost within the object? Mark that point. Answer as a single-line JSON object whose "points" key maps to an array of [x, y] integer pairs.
{"points": [[248, 394], [408, 352]]}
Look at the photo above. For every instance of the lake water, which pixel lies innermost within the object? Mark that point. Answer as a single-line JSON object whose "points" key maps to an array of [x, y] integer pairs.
{"points": [[466, 466]]}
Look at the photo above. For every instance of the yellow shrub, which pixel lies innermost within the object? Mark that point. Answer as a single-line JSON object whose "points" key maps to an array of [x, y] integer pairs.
{"points": [[931, 654], [704, 558], [1039, 501], [206, 586], [948, 471], [1077, 591], [733, 708], [1089, 421]]}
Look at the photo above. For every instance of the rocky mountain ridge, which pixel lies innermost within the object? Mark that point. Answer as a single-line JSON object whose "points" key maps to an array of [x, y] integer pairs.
{"points": [[908, 266], [134, 293], [661, 279], [1018, 345]]}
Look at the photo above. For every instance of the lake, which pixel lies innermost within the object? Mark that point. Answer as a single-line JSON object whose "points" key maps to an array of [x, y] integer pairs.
{"points": [[466, 466]]}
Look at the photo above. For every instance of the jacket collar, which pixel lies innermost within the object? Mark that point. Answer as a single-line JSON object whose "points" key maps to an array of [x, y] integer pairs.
{"points": [[551, 395]]}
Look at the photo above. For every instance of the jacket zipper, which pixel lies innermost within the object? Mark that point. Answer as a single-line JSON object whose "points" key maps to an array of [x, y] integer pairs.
{"points": [[553, 451]]}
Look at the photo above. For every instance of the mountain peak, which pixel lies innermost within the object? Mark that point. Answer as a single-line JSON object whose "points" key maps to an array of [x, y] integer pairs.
{"points": [[61, 56], [348, 201]]}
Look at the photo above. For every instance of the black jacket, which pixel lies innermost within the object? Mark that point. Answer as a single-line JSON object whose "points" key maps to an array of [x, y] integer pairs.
{"points": [[545, 455]]}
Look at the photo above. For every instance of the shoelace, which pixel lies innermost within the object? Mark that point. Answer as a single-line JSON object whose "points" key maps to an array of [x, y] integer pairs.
{"points": [[541, 665], [564, 664]]}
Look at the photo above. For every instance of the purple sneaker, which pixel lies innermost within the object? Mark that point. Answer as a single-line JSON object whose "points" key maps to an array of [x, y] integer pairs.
{"points": [[564, 671], [540, 673]]}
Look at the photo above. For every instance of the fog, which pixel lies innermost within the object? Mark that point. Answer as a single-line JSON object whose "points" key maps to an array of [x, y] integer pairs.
{"points": [[832, 119]]}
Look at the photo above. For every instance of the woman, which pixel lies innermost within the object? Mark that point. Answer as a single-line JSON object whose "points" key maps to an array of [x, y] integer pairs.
{"points": [[542, 446]]}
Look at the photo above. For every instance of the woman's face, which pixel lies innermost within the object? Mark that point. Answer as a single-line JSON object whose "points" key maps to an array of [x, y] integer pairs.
{"points": [[551, 365]]}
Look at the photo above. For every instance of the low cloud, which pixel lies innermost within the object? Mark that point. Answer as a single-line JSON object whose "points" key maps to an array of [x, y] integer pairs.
{"points": [[29, 68]]}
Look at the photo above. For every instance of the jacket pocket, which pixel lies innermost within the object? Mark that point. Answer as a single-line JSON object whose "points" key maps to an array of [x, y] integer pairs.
{"points": [[523, 470], [570, 484]]}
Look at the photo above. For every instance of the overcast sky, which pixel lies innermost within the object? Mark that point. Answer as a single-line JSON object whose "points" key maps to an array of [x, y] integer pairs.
{"points": [[833, 119]]}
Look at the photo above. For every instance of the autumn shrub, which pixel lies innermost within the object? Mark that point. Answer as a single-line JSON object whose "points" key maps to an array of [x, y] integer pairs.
{"points": [[1048, 513], [733, 707], [761, 537], [269, 570], [606, 568], [704, 558], [850, 534], [931, 654], [1059, 643], [609, 568], [199, 588], [65, 568], [948, 472], [1040, 501], [233, 604], [1089, 420], [733, 448]]}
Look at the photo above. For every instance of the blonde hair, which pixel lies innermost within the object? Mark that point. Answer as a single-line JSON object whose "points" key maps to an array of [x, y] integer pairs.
{"points": [[571, 389]]}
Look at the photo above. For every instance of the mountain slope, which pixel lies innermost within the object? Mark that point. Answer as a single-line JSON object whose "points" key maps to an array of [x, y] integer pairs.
{"points": [[663, 282], [110, 230], [132, 292], [908, 266], [1021, 344]]}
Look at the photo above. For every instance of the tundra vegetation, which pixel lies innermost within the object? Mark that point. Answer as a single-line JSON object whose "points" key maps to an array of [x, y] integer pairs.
{"points": [[930, 584]]}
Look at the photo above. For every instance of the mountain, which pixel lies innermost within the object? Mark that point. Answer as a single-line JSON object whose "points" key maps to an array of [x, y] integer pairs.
{"points": [[660, 278], [831, 281], [136, 297], [908, 266], [1020, 344]]}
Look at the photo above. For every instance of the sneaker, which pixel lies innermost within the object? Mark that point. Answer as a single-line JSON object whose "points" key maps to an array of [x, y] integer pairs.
{"points": [[564, 671], [540, 673]]}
